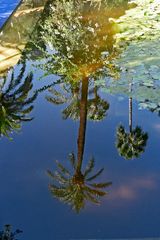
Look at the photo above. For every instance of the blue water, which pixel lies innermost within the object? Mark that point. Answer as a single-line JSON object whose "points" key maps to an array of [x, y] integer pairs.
{"points": [[130, 210], [6, 8], [133, 202]]}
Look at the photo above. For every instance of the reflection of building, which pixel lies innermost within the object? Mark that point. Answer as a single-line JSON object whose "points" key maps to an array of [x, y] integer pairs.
{"points": [[15, 33]]}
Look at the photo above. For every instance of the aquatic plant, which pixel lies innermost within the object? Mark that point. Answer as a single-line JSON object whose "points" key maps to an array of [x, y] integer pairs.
{"points": [[139, 55]]}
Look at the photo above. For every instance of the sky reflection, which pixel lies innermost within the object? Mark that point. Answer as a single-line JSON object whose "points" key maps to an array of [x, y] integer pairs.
{"points": [[131, 207]]}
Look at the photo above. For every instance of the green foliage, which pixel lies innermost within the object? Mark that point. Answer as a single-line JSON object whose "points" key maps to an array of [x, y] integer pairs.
{"points": [[75, 41], [70, 94], [76, 188], [131, 145], [97, 108], [15, 102]]}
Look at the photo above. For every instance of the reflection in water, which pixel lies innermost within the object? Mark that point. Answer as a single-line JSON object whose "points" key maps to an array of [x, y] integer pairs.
{"points": [[16, 32], [70, 94], [78, 46], [131, 144], [79, 41], [15, 101], [132, 189], [78, 58], [87, 53], [77, 188], [35, 3], [76, 41], [7, 233]]}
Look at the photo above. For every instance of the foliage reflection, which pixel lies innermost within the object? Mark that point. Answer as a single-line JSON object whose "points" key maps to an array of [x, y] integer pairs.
{"points": [[7, 233], [16, 103], [77, 188]]}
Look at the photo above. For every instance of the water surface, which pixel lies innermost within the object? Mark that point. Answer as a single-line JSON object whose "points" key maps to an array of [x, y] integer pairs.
{"points": [[82, 90]]}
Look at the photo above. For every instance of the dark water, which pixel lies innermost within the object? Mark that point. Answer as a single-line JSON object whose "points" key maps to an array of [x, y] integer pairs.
{"points": [[6, 8], [89, 128]]}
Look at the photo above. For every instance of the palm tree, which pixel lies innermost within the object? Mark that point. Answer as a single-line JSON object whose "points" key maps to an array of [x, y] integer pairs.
{"points": [[15, 102], [75, 189], [131, 144]]}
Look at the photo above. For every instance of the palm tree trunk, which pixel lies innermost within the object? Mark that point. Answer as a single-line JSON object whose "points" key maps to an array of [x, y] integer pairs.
{"points": [[130, 109], [83, 123], [130, 114]]}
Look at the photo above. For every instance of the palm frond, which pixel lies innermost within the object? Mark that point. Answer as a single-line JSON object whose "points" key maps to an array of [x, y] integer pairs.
{"points": [[96, 175], [95, 192], [58, 177], [89, 167], [91, 198], [72, 160], [62, 168], [100, 185]]}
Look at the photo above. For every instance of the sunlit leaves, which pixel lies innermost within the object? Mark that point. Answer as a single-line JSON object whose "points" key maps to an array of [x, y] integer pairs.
{"points": [[73, 38]]}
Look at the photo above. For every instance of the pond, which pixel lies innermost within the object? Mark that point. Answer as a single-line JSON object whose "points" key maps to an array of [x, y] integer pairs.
{"points": [[79, 120]]}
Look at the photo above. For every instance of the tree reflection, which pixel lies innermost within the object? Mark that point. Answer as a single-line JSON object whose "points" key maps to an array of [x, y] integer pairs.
{"points": [[7, 233], [77, 188], [131, 144], [16, 103], [76, 42], [76, 39], [70, 94], [79, 39]]}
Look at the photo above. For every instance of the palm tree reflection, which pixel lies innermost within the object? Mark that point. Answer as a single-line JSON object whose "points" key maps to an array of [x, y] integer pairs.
{"points": [[15, 101], [76, 188], [70, 94], [76, 42], [131, 144]]}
